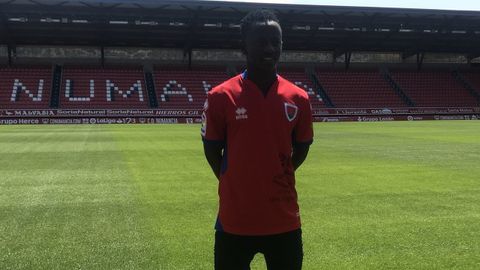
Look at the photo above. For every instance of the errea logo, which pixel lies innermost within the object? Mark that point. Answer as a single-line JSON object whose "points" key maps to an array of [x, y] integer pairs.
{"points": [[241, 113]]}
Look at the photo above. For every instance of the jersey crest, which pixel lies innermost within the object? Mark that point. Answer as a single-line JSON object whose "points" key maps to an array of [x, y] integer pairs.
{"points": [[290, 111]]}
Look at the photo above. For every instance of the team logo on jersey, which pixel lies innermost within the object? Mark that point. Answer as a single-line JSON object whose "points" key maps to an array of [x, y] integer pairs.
{"points": [[290, 111], [241, 113]]}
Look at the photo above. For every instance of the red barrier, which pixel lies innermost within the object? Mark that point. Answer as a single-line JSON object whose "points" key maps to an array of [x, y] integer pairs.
{"points": [[383, 118], [394, 111], [98, 120], [101, 113], [158, 116]]}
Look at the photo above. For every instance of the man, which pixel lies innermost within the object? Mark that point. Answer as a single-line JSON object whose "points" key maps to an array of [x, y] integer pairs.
{"points": [[257, 129]]}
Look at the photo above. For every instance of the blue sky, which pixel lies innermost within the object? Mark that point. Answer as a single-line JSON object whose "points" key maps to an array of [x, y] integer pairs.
{"points": [[425, 4]]}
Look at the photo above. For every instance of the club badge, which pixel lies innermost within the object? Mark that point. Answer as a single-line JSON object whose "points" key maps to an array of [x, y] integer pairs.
{"points": [[290, 111]]}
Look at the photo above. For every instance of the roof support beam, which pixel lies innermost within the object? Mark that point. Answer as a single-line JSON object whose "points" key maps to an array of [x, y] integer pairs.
{"points": [[346, 54], [102, 55], [193, 27], [4, 29], [420, 57], [472, 56], [348, 58], [12, 53], [187, 52]]}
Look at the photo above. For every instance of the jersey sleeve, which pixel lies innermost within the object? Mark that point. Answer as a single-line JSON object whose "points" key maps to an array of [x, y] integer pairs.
{"points": [[213, 119], [303, 131]]}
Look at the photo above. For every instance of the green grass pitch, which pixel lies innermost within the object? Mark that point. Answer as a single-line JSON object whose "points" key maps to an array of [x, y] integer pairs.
{"points": [[396, 195]]}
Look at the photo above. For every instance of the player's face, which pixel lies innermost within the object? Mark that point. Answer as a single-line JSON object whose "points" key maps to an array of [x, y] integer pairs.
{"points": [[263, 45]]}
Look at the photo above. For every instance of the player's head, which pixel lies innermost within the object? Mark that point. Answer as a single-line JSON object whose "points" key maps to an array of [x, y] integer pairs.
{"points": [[261, 39]]}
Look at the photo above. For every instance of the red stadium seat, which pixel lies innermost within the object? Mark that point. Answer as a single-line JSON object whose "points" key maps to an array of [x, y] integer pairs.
{"points": [[97, 88], [300, 79], [177, 88], [434, 89], [25, 88], [359, 89]]}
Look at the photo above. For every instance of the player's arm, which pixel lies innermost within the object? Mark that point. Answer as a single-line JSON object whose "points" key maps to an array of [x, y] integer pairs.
{"points": [[299, 154], [303, 134], [213, 154], [213, 131]]}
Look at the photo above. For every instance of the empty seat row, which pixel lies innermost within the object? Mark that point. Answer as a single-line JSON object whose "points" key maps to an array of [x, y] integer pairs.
{"points": [[358, 89], [105, 88]]}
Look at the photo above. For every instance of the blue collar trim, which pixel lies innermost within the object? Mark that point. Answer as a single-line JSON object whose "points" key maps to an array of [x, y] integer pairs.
{"points": [[245, 74]]}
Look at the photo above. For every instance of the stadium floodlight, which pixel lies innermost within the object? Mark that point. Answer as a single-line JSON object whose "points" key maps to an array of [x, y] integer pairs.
{"points": [[118, 22], [304, 28], [151, 23], [49, 20], [216, 25], [21, 19], [176, 24], [79, 21], [326, 28], [354, 29]]}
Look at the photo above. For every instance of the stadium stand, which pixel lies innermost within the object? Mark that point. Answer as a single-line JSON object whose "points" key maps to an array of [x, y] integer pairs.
{"points": [[179, 88], [97, 88], [355, 58], [357, 89], [434, 89], [474, 79], [300, 79], [25, 88]]}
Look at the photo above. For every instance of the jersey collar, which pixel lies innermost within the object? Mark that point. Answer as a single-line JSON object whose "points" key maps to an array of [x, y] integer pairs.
{"points": [[245, 75]]}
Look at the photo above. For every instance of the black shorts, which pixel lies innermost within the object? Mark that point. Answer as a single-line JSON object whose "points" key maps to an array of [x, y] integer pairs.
{"points": [[282, 251]]}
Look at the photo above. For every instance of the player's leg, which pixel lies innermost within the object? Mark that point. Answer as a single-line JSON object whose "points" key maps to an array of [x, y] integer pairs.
{"points": [[284, 251], [233, 252]]}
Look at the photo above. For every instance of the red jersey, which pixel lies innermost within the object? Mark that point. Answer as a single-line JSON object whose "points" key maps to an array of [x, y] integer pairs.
{"points": [[257, 183]]}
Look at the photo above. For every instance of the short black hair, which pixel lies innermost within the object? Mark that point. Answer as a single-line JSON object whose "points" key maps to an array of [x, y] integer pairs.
{"points": [[259, 15]]}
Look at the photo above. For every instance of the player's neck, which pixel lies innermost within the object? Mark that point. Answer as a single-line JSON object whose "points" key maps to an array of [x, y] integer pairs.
{"points": [[262, 79]]}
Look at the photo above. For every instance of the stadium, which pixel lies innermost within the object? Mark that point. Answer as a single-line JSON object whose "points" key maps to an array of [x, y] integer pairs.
{"points": [[81, 187]]}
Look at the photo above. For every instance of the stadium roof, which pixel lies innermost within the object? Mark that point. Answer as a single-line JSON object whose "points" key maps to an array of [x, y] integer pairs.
{"points": [[213, 24]]}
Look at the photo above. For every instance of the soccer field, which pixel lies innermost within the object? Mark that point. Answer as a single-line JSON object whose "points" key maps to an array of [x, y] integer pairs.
{"points": [[391, 195]]}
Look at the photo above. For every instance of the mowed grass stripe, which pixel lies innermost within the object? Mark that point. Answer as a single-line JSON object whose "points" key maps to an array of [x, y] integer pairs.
{"points": [[178, 188], [68, 202], [395, 195]]}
